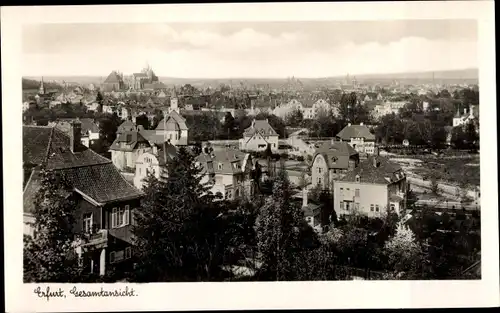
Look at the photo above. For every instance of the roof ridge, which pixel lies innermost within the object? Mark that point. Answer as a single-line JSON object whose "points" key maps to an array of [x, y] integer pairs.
{"points": [[48, 146]]}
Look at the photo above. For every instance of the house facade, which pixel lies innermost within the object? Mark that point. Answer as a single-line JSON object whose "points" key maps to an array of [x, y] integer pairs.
{"points": [[463, 119], [127, 147], [375, 187], [359, 137], [229, 172], [153, 162], [258, 136], [90, 129], [105, 201], [331, 161]]}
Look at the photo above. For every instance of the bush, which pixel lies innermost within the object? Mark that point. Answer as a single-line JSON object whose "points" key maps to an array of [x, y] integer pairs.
{"points": [[300, 158]]}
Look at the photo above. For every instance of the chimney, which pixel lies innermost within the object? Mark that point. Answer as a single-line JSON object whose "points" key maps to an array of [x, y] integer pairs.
{"points": [[304, 197], [75, 137]]}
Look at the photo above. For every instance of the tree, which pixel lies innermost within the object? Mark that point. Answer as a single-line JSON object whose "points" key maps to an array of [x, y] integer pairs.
{"points": [[189, 90], [324, 125], [276, 122], [178, 227], [294, 118], [229, 126], [402, 249], [49, 256], [278, 227], [142, 120]]}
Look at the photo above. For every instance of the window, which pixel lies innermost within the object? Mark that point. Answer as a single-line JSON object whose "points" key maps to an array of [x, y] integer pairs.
{"points": [[120, 217], [347, 189], [347, 206], [309, 219], [356, 192], [357, 178], [393, 207], [128, 252], [87, 223], [319, 170], [377, 208], [220, 166], [319, 180], [229, 194], [112, 257], [341, 205], [372, 207]]}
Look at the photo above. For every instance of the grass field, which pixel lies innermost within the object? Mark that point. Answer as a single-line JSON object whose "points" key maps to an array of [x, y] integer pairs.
{"points": [[460, 171]]}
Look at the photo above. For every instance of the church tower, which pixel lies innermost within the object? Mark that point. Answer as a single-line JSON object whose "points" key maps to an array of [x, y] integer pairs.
{"points": [[41, 90], [174, 102]]}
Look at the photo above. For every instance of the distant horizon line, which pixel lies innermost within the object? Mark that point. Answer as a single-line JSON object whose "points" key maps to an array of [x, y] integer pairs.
{"points": [[352, 75]]}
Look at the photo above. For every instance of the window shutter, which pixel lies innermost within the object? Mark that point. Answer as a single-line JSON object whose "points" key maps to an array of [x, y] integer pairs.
{"points": [[127, 215], [113, 218]]}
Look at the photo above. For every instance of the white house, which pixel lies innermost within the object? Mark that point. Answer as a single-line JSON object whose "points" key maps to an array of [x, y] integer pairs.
{"points": [[462, 119], [359, 137], [228, 170], [152, 162], [258, 136]]}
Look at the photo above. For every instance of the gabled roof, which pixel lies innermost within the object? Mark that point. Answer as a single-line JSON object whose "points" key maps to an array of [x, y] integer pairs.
{"points": [[113, 77], [228, 158], [87, 124], [50, 146], [87, 171], [336, 154], [262, 127], [384, 173], [355, 131], [126, 126], [130, 139], [173, 115]]}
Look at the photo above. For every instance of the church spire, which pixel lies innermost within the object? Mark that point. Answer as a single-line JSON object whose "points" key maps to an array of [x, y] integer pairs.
{"points": [[41, 90]]}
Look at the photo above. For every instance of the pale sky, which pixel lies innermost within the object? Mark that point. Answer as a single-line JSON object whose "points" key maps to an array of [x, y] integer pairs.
{"points": [[250, 50]]}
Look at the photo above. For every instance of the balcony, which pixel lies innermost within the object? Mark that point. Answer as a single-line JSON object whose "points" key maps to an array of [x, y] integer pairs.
{"points": [[98, 239]]}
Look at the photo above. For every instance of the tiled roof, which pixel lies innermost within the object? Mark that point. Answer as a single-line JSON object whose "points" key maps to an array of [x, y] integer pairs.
{"points": [[336, 154], [50, 145], [355, 131], [87, 124], [384, 173], [102, 182], [113, 78], [130, 138], [176, 118], [86, 170], [227, 158], [262, 127], [126, 126], [140, 75]]}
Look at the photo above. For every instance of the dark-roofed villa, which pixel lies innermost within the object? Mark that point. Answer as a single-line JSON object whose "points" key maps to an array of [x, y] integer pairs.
{"points": [[105, 201]]}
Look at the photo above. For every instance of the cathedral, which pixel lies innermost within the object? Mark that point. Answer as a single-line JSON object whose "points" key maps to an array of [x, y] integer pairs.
{"points": [[144, 79]]}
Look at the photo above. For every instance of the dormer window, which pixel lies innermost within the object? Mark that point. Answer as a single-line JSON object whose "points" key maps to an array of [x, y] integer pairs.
{"points": [[358, 178]]}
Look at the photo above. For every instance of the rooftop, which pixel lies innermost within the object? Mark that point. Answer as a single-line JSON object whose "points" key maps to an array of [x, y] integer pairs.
{"points": [[355, 131], [385, 171]]}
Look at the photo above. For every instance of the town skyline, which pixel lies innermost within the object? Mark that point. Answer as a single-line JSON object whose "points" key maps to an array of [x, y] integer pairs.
{"points": [[260, 50]]}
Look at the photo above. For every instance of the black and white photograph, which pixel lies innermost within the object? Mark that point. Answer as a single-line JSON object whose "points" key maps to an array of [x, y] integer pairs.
{"points": [[251, 151]]}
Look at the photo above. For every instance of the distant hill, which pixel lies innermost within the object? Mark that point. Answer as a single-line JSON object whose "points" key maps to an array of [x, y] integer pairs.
{"points": [[31, 84], [465, 75]]}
